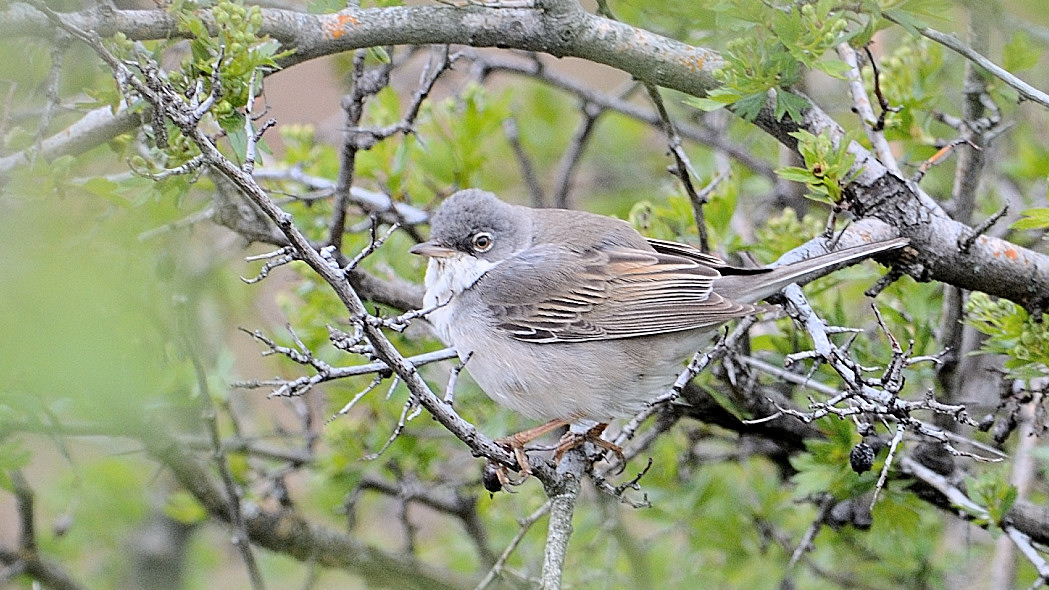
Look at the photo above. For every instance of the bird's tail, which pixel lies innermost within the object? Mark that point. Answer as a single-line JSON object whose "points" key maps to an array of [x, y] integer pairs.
{"points": [[751, 288]]}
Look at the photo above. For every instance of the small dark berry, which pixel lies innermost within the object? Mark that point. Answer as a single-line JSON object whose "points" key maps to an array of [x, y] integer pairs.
{"points": [[490, 478], [862, 458]]}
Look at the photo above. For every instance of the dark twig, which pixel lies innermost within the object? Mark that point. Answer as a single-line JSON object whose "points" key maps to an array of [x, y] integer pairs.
{"points": [[374, 244], [883, 102], [966, 242], [939, 156], [365, 85], [523, 527], [527, 168], [241, 539], [568, 165], [535, 70], [25, 498], [683, 167], [861, 105]]}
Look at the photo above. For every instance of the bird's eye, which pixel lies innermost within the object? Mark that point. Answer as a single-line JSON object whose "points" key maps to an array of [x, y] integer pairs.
{"points": [[483, 241]]}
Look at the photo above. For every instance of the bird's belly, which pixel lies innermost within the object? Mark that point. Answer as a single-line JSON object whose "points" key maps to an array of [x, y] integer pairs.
{"points": [[593, 380]]}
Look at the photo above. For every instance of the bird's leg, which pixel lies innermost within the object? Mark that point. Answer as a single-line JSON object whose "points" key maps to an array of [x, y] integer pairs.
{"points": [[516, 442], [572, 440]]}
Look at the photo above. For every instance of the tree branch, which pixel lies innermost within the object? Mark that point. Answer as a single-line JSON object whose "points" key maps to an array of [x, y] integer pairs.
{"points": [[287, 533]]}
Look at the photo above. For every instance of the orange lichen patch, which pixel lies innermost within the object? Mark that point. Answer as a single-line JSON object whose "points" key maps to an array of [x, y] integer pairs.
{"points": [[695, 63], [337, 28], [1007, 250]]}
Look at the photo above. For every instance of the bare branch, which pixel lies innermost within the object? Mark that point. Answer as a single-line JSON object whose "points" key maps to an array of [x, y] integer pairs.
{"points": [[233, 493], [862, 105], [951, 42]]}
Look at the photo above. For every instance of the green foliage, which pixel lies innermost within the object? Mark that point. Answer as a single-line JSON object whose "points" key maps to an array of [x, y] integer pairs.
{"points": [[1011, 331], [825, 468], [13, 455], [1020, 53], [459, 128], [993, 492], [233, 59], [909, 77], [828, 168], [1034, 218], [783, 232], [666, 222], [106, 319], [184, 507], [324, 6], [775, 44]]}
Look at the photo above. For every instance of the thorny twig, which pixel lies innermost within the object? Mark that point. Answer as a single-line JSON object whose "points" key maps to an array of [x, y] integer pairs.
{"points": [[453, 378], [376, 381], [894, 445], [939, 156], [966, 241], [683, 167], [826, 503], [374, 244], [953, 43], [274, 259], [409, 412]]}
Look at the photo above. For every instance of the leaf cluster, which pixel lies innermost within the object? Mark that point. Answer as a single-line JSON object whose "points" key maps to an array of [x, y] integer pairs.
{"points": [[774, 47], [828, 167], [1011, 331]]}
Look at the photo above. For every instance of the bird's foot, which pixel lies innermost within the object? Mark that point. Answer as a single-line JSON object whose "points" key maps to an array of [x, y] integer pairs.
{"points": [[515, 443], [572, 440]]}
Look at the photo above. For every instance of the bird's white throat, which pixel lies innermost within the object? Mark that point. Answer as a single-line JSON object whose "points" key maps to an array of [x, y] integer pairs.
{"points": [[447, 277]]}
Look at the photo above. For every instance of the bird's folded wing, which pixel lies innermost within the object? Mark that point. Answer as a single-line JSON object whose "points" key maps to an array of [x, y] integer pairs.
{"points": [[550, 294]]}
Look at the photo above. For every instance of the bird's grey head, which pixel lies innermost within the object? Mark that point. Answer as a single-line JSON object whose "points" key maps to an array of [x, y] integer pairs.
{"points": [[477, 223]]}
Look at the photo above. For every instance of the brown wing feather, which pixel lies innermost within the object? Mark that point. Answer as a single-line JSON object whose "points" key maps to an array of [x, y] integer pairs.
{"points": [[604, 294]]}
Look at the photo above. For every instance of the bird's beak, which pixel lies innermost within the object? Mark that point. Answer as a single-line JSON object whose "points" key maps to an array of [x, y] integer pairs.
{"points": [[432, 250]]}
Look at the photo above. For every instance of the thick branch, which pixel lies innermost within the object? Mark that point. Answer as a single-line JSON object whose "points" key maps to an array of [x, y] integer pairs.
{"points": [[567, 32], [93, 129], [287, 533], [991, 265]]}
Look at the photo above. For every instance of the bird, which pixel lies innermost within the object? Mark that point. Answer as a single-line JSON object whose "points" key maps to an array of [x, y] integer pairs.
{"points": [[571, 317]]}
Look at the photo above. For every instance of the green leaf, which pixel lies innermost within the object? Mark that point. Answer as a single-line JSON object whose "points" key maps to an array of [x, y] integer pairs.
{"points": [[1036, 218], [12, 456], [706, 104], [908, 21], [379, 54], [833, 67], [790, 103], [1019, 53], [748, 107], [238, 139], [184, 508], [796, 174]]}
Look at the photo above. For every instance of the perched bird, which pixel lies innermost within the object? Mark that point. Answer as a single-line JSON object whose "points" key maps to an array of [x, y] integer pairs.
{"points": [[570, 316]]}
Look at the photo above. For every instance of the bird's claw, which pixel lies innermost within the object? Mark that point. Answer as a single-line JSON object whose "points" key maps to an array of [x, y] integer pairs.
{"points": [[572, 440]]}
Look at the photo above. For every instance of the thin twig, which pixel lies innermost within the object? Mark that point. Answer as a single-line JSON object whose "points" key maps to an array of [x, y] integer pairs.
{"points": [[524, 525], [861, 104], [951, 42], [241, 539]]}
